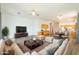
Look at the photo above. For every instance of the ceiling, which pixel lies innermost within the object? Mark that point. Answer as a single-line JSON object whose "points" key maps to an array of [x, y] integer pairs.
{"points": [[44, 9]]}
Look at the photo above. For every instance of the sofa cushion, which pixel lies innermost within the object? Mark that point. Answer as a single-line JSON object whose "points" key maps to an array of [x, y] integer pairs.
{"points": [[51, 51], [49, 39], [57, 41], [44, 51], [61, 49]]}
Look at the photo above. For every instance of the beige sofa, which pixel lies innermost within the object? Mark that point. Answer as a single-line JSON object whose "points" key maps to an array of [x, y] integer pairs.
{"points": [[52, 45], [60, 51], [18, 51], [62, 48]]}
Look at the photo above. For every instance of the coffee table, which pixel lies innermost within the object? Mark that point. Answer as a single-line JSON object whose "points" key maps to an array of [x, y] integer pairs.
{"points": [[32, 44]]}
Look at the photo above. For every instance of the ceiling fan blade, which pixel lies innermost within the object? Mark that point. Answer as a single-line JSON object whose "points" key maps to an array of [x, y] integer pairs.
{"points": [[37, 14]]}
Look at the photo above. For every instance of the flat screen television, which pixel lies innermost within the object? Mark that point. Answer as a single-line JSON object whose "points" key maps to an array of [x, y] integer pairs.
{"points": [[20, 29]]}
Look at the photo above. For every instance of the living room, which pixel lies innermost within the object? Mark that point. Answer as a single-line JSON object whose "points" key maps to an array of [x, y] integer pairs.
{"points": [[27, 21]]}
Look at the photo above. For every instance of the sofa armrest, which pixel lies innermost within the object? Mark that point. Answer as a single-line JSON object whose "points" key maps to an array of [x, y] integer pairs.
{"points": [[23, 48], [68, 50], [2, 46], [18, 51]]}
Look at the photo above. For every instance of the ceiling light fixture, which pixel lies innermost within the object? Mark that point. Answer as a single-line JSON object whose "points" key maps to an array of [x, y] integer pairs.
{"points": [[34, 12]]}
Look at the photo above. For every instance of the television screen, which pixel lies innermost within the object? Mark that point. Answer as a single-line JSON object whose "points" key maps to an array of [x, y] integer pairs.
{"points": [[20, 29]]}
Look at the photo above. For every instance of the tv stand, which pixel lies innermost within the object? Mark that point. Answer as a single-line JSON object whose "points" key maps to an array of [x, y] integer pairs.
{"points": [[21, 34]]}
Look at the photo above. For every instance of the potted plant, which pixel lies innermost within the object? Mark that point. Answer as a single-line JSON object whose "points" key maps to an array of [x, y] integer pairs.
{"points": [[5, 32]]}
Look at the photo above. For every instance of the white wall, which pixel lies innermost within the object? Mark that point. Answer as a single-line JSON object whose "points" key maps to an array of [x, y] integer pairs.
{"points": [[33, 25], [0, 27]]}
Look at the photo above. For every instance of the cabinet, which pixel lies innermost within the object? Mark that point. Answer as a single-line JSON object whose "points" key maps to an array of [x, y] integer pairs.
{"points": [[19, 35]]}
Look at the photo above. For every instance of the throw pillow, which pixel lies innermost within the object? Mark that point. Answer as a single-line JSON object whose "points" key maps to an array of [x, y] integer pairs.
{"points": [[8, 42], [51, 51]]}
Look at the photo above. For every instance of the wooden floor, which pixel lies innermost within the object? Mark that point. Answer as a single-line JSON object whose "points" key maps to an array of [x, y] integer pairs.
{"points": [[73, 48]]}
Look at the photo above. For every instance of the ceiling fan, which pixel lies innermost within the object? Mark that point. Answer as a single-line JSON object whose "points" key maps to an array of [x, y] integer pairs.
{"points": [[34, 13]]}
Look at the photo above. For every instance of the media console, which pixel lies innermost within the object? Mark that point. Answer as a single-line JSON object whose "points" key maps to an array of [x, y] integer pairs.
{"points": [[21, 31], [19, 35]]}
